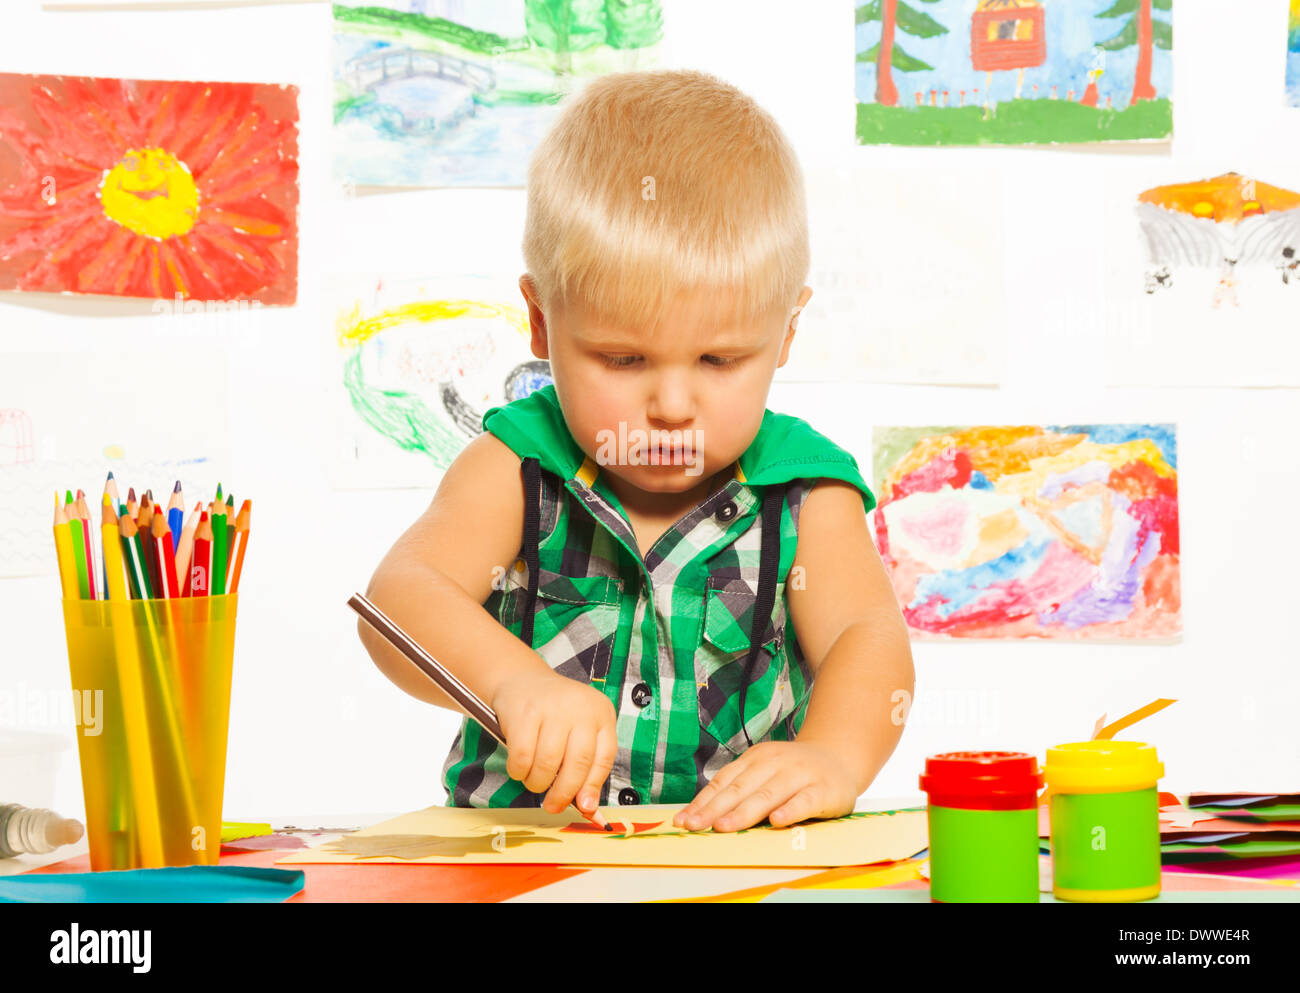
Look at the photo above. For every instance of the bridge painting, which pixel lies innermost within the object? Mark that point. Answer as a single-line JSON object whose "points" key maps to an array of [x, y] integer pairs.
{"points": [[435, 93]]}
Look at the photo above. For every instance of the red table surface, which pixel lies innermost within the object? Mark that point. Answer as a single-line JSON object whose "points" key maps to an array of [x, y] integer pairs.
{"points": [[388, 883]]}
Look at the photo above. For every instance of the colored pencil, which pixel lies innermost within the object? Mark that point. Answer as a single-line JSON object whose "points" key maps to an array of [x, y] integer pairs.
{"points": [[63, 548], [78, 547], [162, 541], [115, 577], [186, 548], [230, 533], [445, 680], [131, 504], [176, 514], [201, 563], [239, 545], [83, 516], [220, 558], [149, 551], [136, 575], [110, 488]]}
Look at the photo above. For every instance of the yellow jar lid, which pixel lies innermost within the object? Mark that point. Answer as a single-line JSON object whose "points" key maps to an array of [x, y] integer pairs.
{"points": [[1102, 767]]}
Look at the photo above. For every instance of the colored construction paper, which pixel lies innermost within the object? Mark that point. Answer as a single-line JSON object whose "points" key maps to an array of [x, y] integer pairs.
{"points": [[177, 884], [514, 835], [387, 883], [888, 895], [845, 877], [266, 842], [1240, 849], [238, 830], [1281, 812], [1239, 799], [1240, 825], [1281, 867]]}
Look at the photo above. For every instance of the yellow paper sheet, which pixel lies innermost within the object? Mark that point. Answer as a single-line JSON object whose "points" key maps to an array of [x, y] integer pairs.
{"points": [[643, 835]]}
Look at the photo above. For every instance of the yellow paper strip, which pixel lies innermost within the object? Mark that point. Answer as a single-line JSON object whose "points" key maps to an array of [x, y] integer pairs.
{"points": [[1129, 720], [234, 830]]}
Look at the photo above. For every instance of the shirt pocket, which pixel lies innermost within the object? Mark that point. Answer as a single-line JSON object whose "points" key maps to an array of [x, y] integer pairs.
{"points": [[720, 665], [575, 621]]}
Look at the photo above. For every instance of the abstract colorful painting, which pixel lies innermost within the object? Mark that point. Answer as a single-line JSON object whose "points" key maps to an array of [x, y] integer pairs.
{"points": [[1293, 55], [1195, 265], [1013, 72], [149, 188], [1062, 532], [453, 93], [415, 363]]}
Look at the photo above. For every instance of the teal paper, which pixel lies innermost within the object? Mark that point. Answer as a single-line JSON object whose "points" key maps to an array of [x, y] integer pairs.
{"points": [[178, 884]]}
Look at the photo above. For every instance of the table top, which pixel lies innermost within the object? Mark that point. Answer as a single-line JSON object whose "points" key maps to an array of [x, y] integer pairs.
{"points": [[522, 884], [399, 883]]}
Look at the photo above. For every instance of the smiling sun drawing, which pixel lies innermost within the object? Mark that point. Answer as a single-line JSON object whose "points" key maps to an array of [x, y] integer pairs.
{"points": [[145, 188]]}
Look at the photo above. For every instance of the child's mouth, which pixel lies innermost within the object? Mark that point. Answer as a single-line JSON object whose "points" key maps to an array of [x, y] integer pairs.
{"points": [[665, 456]]}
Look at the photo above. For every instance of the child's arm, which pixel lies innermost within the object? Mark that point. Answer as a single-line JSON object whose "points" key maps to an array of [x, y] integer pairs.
{"points": [[854, 637], [433, 583], [435, 578]]}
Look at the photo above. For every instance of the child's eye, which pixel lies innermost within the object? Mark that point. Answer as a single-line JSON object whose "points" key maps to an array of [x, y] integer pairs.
{"points": [[718, 361], [617, 361]]}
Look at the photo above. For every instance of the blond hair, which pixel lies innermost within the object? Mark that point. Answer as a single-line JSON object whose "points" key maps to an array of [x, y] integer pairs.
{"points": [[651, 184]]}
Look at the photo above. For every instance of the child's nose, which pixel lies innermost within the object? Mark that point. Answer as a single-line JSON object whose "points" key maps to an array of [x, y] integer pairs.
{"points": [[672, 404]]}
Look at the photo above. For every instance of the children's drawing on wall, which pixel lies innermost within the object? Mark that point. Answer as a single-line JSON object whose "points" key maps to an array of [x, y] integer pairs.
{"points": [[1293, 55], [1056, 532], [149, 188], [1013, 72], [890, 301], [416, 363], [1224, 224], [1219, 261], [453, 93], [65, 421]]}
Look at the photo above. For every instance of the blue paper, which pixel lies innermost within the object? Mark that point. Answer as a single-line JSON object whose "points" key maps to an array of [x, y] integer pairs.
{"points": [[176, 884]]}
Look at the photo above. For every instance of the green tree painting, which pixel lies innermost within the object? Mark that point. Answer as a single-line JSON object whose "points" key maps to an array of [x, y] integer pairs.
{"points": [[1145, 31], [895, 15], [565, 27], [631, 25]]}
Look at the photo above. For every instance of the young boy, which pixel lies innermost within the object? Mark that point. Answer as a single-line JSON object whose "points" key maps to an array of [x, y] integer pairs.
{"points": [[628, 560]]}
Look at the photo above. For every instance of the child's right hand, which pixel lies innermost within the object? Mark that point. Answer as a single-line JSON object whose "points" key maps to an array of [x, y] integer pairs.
{"points": [[560, 735]]}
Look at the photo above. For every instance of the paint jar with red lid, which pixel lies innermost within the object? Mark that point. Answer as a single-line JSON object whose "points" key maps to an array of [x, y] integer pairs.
{"points": [[983, 818]]}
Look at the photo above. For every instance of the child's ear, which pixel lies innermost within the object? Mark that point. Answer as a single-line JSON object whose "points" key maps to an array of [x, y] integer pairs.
{"points": [[793, 325], [536, 319]]}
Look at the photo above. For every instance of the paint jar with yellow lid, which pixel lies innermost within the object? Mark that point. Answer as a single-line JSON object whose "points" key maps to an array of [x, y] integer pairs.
{"points": [[1105, 820]]}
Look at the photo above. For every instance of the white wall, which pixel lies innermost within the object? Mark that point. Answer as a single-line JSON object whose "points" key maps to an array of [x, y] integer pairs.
{"points": [[315, 727]]}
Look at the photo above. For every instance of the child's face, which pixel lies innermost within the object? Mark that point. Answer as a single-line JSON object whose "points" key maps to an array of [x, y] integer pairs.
{"points": [[696, 388]]}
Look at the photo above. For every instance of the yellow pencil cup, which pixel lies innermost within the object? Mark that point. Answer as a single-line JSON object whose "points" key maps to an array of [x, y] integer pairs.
{"points": [[152, 682]]}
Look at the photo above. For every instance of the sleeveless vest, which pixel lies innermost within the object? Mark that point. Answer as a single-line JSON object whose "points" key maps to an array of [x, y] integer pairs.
{"points": [[683, 642]]}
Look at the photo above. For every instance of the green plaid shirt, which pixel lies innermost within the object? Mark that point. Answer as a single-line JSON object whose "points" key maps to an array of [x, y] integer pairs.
{"points": [[665, 638]]}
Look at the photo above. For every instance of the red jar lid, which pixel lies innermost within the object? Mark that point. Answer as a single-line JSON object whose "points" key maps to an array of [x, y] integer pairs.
{"points": [[982, 780]]}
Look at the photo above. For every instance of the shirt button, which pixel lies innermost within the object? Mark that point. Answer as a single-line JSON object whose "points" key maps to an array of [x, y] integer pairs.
{"points": [[726, 512], [628, 797], [641, 694]]}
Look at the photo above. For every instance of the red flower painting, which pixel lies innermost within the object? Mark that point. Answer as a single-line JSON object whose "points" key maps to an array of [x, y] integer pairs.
{"points": [[145, 188]]}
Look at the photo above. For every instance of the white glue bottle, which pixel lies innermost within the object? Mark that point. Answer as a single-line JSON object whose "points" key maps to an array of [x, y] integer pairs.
{"points": [[34, 830]]}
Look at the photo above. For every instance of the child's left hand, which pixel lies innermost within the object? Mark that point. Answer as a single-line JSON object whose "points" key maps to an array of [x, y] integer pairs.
{"points": [[782, 781]]}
